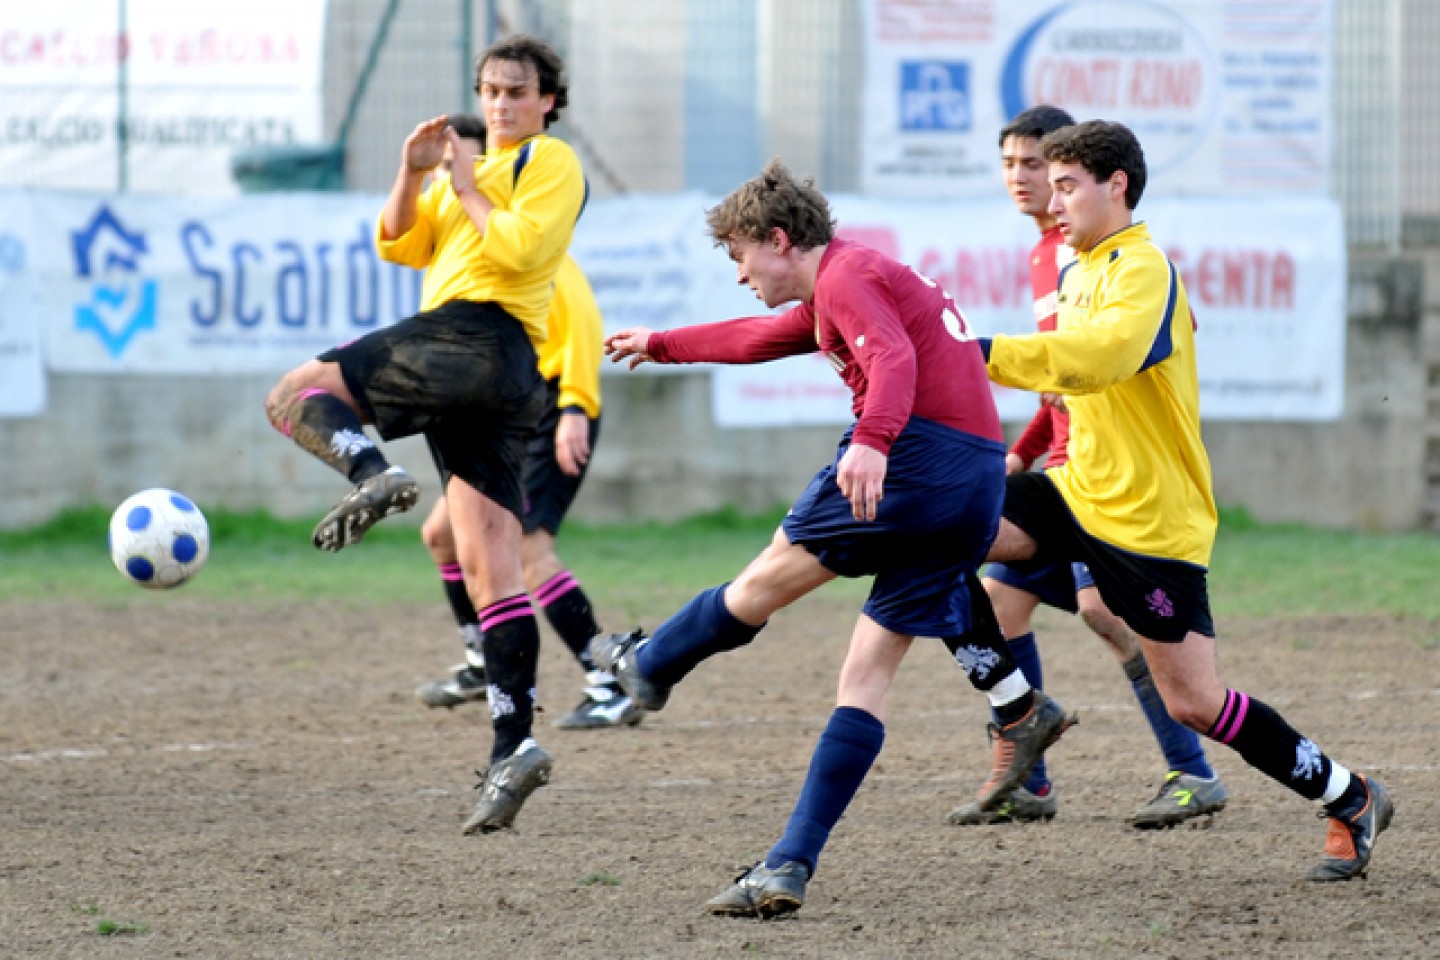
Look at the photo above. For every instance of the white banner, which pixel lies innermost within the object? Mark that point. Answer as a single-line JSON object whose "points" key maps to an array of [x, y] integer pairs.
{"points": [[199, 286], [204, 80], [1269, 302], [22, 365], [1225, 97], [260, 283]]}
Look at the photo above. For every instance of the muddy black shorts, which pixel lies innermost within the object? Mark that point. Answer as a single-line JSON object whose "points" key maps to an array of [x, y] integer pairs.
{"points": [[549, 491], [1160, 599], [462, 374]]}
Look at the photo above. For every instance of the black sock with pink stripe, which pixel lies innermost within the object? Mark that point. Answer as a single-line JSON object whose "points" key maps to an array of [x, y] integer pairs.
{"points": [[512, 651], [1269, 744], [453, 580], [569, 612]]}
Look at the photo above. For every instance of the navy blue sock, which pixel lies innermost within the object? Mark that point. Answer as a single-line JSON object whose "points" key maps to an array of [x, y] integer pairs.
{"points": [[700, 629], [1026, 654], [1181, 745], [848, 746]]}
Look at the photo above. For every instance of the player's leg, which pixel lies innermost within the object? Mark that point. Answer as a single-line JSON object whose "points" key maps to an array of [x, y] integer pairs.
{"points": [[1357, 807], [466, 682], [843, 756], [720, 619], [1034, 799], [1190, 788]]}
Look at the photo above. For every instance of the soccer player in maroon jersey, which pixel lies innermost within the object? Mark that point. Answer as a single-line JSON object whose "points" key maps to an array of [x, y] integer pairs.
{"points": [[912, 497], [1190, 788]]}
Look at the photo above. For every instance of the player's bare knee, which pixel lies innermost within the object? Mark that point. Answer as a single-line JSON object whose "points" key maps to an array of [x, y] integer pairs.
{"points": [[1112, 630]]}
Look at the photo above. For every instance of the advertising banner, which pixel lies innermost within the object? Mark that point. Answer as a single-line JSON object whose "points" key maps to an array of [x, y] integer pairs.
{"points": [[203, 80], [1225, 97], [22, 363]]}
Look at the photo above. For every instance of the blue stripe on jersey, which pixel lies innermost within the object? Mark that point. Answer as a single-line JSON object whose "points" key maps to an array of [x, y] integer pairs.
{"points": [[521, 158], [1060, 277], [1164, 345]]}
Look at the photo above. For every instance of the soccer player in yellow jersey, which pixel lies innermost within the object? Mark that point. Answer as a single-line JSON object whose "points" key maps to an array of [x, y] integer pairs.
{"points": [[555, 465], [1134, 502], [462, 372]]}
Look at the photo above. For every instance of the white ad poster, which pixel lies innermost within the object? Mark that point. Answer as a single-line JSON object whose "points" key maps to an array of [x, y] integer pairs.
{"points": [[1225, 98], [202, 81], [1269, 302], [22, 362]]}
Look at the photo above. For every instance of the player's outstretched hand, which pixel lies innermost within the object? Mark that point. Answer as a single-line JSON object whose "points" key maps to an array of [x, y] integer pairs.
{"points": [[425, 147], [861, 477], [632, 342], [462, 167]]}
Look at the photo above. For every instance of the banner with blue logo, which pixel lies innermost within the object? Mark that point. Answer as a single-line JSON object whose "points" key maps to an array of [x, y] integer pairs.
{"points": [[22, 364], [192, 286], [1225, 97]]}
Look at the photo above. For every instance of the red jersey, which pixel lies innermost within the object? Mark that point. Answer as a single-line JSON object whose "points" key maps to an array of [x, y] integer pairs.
{"points": [[894, 336], [1049, 430]]}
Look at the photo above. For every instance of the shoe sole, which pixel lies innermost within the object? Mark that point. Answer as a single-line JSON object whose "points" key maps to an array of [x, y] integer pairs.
{"points": [[335, 533], [1175, 818], [769, 907], [1016, 777], [992, 821]]}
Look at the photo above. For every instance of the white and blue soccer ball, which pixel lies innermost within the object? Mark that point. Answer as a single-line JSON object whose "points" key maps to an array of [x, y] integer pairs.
{"points": [[159, 539]]}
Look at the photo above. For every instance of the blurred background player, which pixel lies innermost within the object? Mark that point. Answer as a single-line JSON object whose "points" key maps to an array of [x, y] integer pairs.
{"points": [[913, 498], [1135, 501], [463, 372], [555, 464], [1190, 788]]}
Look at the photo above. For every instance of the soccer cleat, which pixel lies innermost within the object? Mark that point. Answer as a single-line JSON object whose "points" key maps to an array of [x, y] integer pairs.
{"points": [[369, 502], [505, 787], [1018, 746], [1351, 838], [615, 654], [763, 892], [465, 685], [605, 705], [1021, 806], [1181, 797]]}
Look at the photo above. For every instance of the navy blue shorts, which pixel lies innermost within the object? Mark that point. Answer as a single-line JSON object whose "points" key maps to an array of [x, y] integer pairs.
{"points": [[939, 513], [1054, 583]]}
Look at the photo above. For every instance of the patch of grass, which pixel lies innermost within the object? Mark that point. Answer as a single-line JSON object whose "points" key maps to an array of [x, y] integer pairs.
{"points": [[1257, 570], [116, 928], [599, 879], [85, 909]]}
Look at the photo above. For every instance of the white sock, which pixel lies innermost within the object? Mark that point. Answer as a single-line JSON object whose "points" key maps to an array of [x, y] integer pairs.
{"points": [[1008, 690], [1339, 780]]}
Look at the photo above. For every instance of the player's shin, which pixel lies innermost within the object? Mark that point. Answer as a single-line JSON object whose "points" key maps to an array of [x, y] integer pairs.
{"points": [[322, 425], [698, 630], [511, 646]]}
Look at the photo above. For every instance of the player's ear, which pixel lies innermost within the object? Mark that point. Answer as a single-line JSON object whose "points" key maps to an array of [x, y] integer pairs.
{"points": [[1119, 183], [779, 239]]}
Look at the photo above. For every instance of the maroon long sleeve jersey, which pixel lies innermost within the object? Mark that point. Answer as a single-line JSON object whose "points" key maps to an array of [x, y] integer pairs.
{"points": [[894, 336]]}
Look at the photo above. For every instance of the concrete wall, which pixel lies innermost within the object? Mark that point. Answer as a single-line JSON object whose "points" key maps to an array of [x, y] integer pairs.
{"points": [[661, 457]]}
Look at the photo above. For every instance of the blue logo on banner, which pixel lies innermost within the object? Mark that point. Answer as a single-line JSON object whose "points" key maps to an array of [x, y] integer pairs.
{"points": [[122, 303], [935, 95]]}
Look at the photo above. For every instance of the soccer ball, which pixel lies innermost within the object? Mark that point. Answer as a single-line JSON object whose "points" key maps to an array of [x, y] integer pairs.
{"points": [[159, 539]]}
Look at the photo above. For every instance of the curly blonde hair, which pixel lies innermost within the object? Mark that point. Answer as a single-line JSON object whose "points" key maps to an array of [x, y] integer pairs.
{"points": [[773, 199]]}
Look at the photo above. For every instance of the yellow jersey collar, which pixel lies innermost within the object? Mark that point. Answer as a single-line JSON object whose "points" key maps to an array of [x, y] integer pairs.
{"points": [[1137, 232]]}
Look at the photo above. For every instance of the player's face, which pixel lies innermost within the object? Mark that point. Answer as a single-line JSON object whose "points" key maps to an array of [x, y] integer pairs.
{"points": [[512, 103], [1026, 175], [468, 148], [765, 269], [1086, 211]]}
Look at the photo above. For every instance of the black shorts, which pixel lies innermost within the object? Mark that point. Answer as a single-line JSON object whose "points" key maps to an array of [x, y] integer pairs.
{"points": [[462, 374], [1160, 599], [549, 491]]}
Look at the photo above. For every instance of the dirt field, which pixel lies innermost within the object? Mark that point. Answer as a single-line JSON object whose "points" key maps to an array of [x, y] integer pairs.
{"points": [[243, 783]]}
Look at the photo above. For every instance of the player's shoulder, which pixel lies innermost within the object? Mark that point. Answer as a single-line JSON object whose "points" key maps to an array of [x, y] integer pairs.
{"points": [[552, 151]]}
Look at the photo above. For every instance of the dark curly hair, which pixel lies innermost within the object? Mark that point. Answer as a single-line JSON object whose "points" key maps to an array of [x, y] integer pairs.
{"points": [[1035, 123], [467, 125], [549, 68], [1101, 147], [773, 199]]}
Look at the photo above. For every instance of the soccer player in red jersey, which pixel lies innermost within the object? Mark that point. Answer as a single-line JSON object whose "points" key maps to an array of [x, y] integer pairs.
{"points": [[912, 498], [1190, 788]]}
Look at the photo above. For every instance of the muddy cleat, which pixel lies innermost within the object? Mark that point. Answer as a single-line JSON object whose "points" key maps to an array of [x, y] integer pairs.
{"points": [[1181, 797], [1021, 806], [615, 654], [466, 685], [1018, 746], [763, 892], [506, 786], [369, 502], [605, 705], [1351, 838]]}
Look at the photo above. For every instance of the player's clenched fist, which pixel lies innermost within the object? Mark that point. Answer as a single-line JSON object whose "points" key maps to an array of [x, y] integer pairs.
{"points": [[632, 342]]}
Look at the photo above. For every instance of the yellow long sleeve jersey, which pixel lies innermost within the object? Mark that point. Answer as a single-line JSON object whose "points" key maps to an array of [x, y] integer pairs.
{"points": [[538, 189], [572, 351], [1123, 353]]}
